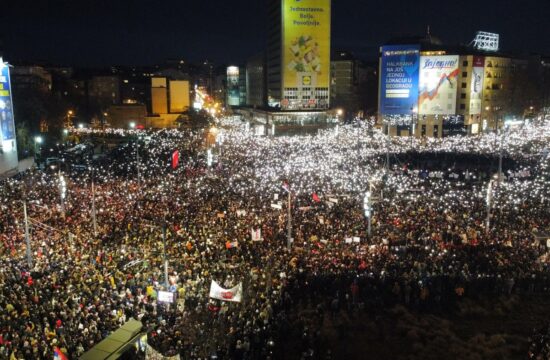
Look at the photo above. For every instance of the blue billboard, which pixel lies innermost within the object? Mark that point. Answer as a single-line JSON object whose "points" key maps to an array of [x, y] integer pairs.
{"points": [[399, 79], [7, 127]]}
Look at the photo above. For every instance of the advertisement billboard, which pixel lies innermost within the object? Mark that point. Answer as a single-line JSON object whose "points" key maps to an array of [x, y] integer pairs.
{"points": [[399, 79], [306, 53], [438, 85], [476, 88], [233, 94], [7, 125], [8, 146]]}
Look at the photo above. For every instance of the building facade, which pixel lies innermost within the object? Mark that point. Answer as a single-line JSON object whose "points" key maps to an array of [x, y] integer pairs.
{"points": [[427, 89], [298, 54]]}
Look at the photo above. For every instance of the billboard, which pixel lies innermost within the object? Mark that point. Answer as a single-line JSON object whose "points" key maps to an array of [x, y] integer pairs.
{"points": [[306, 53], [438, 85], [233, 94], [399, 79], [476, 88], [8, 146], [7, 125]]}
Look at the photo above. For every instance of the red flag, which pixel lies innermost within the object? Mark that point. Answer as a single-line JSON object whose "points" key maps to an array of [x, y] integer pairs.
{"points": [[286, 186], [316, 198], [175, 159], [58, 354]]}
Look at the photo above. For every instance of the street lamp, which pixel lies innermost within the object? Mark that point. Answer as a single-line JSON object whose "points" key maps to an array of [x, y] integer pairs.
{"points": [[132, 125], [37, 141], [62, 191], [489, 200], [69, 115], [367, 206], [94, 219], [414, 119]]}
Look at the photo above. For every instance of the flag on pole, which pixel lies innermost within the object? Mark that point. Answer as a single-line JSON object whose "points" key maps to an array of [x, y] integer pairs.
{"points": [[175, 159], [286, 186], [58, 354], [315, 197]]}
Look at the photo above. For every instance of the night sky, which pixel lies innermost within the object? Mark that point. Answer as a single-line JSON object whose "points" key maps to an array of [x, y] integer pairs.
{"points": [[142, 32]]}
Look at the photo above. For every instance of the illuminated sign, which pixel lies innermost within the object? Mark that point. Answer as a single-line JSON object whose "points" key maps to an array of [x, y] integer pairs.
{"points": [[486, 41], [306, 53], [233, 94], [7, 126], [438, 85], [399, 79]]}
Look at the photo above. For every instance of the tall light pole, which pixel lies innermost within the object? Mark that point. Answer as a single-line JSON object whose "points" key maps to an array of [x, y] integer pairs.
{"points": [[489, 200], [367, 206], [137, 161], [289, 223], [94, 220], [414, 118], [27, 237], [69, 124], [62, 191], [388, 147], [37, 142], [164, 256], [286, 187]]}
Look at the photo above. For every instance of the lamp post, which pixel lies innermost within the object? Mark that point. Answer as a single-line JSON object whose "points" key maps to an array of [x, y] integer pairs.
{"points": [[489, 201], [414, 119], [62, 191], [37, 141], [289, 223], [94, 220], [367, 206], [137, 161], [68, 123], [27, 237], [286, 187], [164, 256]]}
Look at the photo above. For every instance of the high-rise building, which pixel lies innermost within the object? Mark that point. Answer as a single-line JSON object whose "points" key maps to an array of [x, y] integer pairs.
{"points": [[352, 84], [298, 54], [104, 91], [255, 81]]}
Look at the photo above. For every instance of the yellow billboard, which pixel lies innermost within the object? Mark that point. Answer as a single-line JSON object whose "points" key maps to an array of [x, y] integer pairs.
{"points": [[306, 44]]}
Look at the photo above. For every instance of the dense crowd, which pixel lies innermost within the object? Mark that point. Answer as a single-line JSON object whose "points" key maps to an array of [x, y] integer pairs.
{"points": [[430, 243]]}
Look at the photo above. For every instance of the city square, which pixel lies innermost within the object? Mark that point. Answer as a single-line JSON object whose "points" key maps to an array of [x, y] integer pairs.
{"points": [[286, 179]]}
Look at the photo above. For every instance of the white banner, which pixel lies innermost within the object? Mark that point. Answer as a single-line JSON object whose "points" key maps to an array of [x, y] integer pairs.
{"points": [[234, 294], [241, 213], [277, 206], [476, 87], [256, 234], [152, 354]]}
